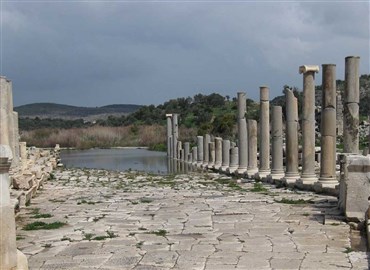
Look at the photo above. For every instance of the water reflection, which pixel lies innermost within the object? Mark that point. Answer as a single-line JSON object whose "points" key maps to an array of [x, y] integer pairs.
{"points": [[124, 159]]}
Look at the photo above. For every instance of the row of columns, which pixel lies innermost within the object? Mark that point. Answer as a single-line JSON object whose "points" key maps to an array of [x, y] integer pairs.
{"points": [[242, 158]]}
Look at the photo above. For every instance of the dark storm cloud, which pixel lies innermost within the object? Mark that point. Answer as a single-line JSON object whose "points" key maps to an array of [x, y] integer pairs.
{"points": [[97, 53]]}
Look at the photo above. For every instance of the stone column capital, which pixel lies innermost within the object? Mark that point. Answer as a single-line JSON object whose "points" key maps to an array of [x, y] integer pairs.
{"points": [[308, 68], [169, 115]]}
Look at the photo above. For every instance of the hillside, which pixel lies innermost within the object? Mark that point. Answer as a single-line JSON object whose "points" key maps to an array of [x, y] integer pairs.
{"points": [[53, 111]]}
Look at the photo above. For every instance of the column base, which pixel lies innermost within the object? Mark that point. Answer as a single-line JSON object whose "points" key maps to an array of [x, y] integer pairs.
{"points": [[275, 176], [251, 173], [224, 168], [306, 183], [290, 180], [326, 185], [262, 175], [231, 170], [241, 171]]}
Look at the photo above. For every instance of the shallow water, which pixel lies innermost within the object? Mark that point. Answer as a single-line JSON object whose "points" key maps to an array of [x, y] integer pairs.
{"points": [[117, 159]]}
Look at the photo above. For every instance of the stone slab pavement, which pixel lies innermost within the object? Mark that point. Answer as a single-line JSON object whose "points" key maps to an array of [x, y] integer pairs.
{"points": [[132, 220]]}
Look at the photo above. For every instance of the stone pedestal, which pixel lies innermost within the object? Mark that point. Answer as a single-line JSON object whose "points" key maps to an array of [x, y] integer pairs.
{"points": [[175, 135], [291, 171], [264, 145], [328, 129], [225, 155], [252, 149], [308, 176], [218, 156], [354, 186], [351, 105], [234, 152], [242, 133], [200, 150], [169, 134], [8, 248], [277, 168]]}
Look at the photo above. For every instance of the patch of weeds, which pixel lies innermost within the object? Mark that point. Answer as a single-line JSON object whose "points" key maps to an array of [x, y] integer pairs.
{"points": [[159, 233], [42, 216], [348, 250], [88, 236], [134, 202], [258, 187], [145, 200], [131, 234], [96, 219], [20, 237], [28, 203], [100, 237], [86, 202], [142, 229], [291, 201], [140, 244], [305, 214], [57, 200], [39, 225], [51, 176], [111, 234], [64, 238], [47, 246]]}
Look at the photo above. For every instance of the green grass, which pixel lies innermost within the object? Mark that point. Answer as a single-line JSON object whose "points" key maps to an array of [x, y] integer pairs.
{"points": [[348, 250], [140, 244], [159, 232], [42, 216], [258, 187], [291, 201], [145, 200], [39, 225], [19, 238]]}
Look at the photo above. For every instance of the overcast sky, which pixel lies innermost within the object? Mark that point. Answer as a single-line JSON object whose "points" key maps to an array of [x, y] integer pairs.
{"points": [[95, 53]]}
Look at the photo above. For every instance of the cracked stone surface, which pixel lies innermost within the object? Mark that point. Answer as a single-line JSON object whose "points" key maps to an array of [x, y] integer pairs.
{"points": [[132, 220]]}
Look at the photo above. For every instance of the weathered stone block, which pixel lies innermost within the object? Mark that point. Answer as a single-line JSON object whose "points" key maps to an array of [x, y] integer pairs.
{"points": [[355, 186]]}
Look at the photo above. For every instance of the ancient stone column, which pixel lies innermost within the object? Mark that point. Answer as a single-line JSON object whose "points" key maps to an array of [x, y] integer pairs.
{"points": [[225, 155], [242, 134], [182, 155], [16, 137], [308, 125], [9, 255], [252, 148], [171, 146], [234, 152], [277, 170], [328, 129], [264, 156], [186, 151], [218, 156], [194, 155], [351, 105], [291, 159], [339, 114], [200, 150], [206, 141], [169, 134], [212, 154], [4, 111], [179, 147], [175, 134]]}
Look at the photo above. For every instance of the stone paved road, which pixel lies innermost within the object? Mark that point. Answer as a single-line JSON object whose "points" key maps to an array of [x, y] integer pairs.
{"points": [[196, 221]]}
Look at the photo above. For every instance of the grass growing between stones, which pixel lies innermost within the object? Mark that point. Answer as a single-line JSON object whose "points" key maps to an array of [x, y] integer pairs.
{"points": [[42, 216], [258, 187], [39, 225], [159, 233], [229, 183], [291, 201]]}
